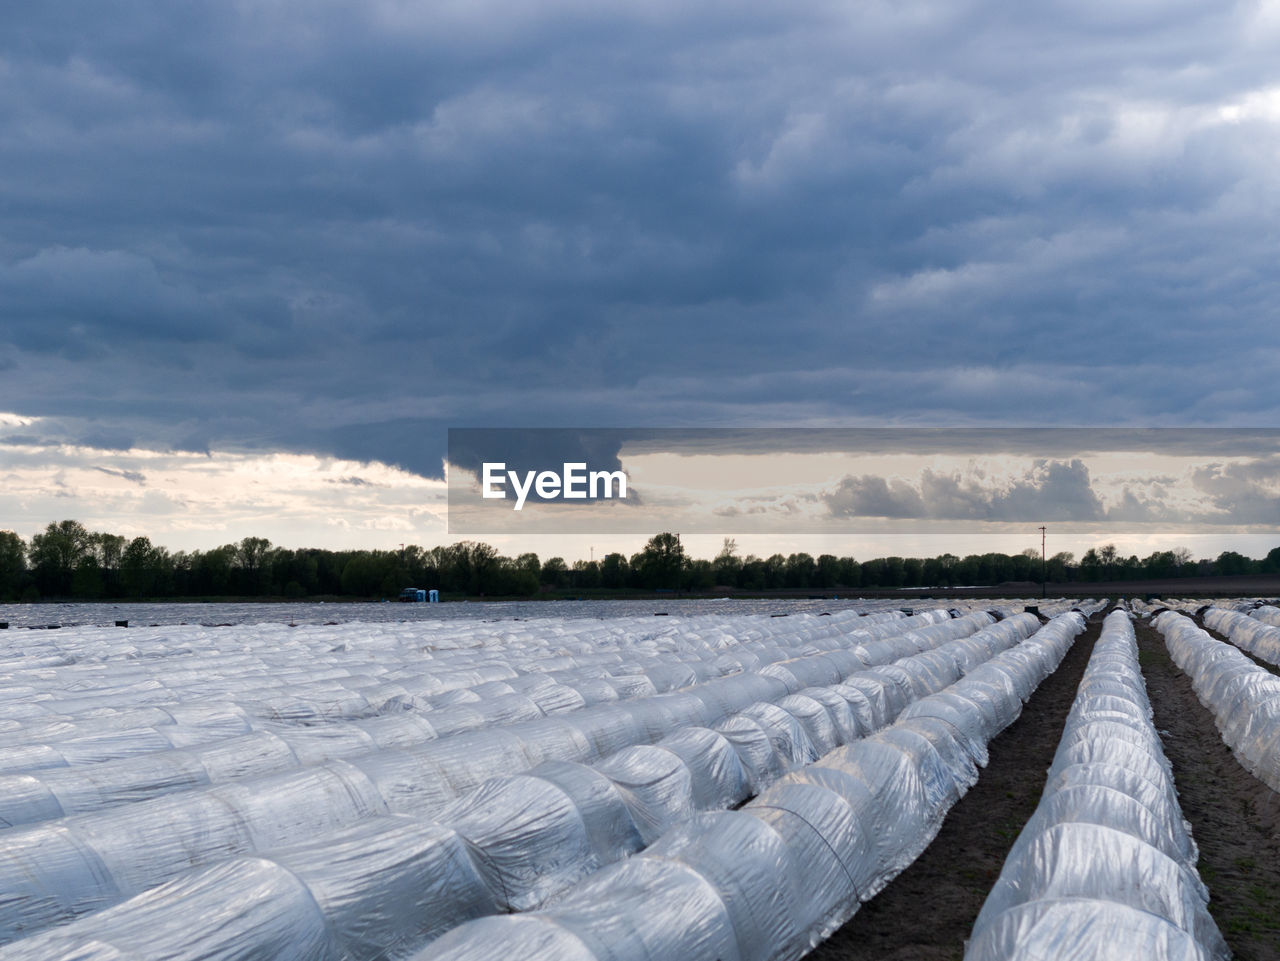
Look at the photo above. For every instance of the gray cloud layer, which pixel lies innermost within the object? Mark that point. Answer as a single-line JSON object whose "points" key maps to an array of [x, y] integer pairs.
{"points": [[1049, 491], [343, 226], [1241, 493]]}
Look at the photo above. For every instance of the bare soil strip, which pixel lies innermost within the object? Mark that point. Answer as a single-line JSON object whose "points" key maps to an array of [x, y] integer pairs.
{"points": [[1234, 817], [928, 911]]}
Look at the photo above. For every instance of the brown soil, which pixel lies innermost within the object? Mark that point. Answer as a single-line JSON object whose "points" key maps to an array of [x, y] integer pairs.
{"points": [[1234, 817], [927, 912]]}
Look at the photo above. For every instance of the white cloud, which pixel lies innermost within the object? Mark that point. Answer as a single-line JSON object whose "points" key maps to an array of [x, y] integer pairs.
{"points": [[192, 500]]}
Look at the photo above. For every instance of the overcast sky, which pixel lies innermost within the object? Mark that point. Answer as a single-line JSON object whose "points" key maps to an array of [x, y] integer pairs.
{"points": [[300, 240]]}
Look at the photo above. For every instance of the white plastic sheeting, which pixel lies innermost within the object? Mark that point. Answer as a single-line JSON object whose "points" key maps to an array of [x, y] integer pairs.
{"points": [[770, 880], [1138, 607], [519, 839], [133, 765], [1105, 868], [1267, 614], [1243, 698], [1246, 632], [1187, 605], [115, 680], [56, 870], [1048, 607], [396, 668], [1090, 606]]}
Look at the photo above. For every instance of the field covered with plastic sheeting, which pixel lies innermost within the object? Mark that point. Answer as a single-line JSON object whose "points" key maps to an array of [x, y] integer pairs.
{"points": [[1106, 867], [318, 613], [708, 785], [1267, 614], [1249, 633], [774, 878], [1242, 696]]}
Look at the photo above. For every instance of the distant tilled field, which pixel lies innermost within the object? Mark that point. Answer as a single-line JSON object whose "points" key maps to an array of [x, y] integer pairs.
{"points": [[967, 780]]}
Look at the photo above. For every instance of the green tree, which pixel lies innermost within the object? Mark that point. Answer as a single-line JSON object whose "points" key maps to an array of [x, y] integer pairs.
{"points": [[250, 560], [454, 564], [873, 572], [555, 573], [1061, 566], [850, 572], [483, 561], [662, 561], [827, 571], [1091, 566], [727, 566], [799, 570], [614, 571], [1160, 564], [913, 572], [141, 567], [775, 572], [699, 576], [13, 565], [362, 575], [108, 549], [55, 554], [211, 570], [895, 573], [1231, 563], [1107, 556], [87, 580], [752, 575], [1026, 565], [516, 576], [586, 575], [947, 564]]}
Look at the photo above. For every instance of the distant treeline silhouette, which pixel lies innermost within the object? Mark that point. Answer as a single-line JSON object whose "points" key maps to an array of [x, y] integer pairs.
{"points": [[67, 560]]}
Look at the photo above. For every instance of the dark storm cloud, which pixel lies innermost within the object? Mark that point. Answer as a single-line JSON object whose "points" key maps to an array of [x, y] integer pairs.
{"points": [[105, 439], [1042, 442], [343, 227], [535, 449]]}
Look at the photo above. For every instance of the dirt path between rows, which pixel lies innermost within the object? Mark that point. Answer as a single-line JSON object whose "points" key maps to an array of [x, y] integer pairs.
{"points": [[1234, 817], [928, 911]]}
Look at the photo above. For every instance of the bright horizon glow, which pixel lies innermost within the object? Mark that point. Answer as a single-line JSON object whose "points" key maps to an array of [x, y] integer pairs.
{"points": [[188, 501]]}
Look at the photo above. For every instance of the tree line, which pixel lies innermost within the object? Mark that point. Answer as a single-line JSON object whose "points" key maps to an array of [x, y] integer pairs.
{"points": [[67, 560]]}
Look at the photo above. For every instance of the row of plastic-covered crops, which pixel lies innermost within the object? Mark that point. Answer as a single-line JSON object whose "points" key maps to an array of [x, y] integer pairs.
{"points": [[1106, 866], [1242, 695], [719, 788]]}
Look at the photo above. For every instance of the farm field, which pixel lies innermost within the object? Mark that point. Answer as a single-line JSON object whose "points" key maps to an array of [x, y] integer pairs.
{"points": [[1235, 820], [316, 613], [839, 779]]}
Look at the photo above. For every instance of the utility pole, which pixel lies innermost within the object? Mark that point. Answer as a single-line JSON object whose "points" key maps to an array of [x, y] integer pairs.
{"points": [[1044, 567]]}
